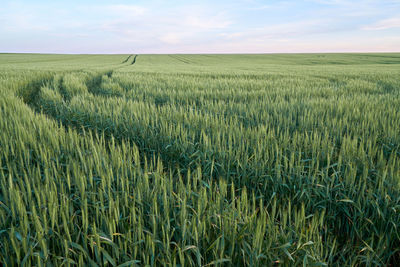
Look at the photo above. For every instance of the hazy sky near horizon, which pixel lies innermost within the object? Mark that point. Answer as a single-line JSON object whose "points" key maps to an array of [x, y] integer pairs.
{"points": [[160, 26]]}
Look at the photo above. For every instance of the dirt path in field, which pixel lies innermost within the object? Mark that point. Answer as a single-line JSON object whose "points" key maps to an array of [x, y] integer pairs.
{"points": [[129, 57], [134, 60], [126, 60]]}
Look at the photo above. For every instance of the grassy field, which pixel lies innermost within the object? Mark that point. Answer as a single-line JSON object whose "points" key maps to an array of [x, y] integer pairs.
{"points": [[200, 160]]}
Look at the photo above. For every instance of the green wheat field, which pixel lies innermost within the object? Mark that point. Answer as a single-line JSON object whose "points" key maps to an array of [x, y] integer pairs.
{"points": [[200, 160]]}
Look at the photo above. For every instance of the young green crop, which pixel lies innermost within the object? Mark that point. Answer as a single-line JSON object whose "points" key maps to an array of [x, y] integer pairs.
{"points": [[200, 160]]}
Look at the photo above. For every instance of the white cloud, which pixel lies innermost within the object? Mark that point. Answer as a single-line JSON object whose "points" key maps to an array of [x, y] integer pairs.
{"points": [[23, 20], [124, 10], [384, 24], [273, 6], [206, 22], [186, 24], [282, 31], [171, 38], [358, 8]]}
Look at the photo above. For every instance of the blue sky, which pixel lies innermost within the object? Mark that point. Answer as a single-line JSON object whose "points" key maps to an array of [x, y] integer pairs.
{"points": [[160, 26]]}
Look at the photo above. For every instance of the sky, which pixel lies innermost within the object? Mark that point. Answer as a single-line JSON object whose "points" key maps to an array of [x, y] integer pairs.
{"points": [[208, 26]]}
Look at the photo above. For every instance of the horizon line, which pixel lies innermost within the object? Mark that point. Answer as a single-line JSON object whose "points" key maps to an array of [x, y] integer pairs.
{"points": [[202, 53]]}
